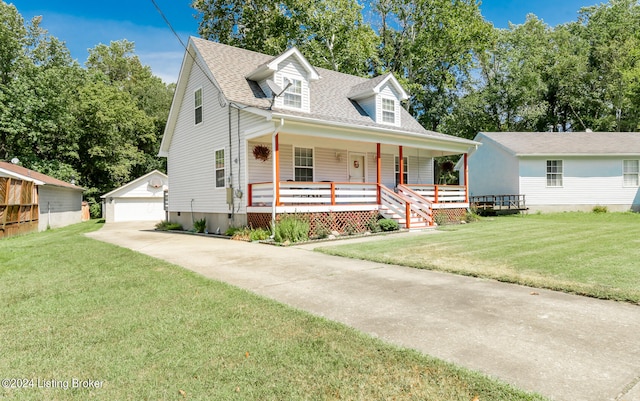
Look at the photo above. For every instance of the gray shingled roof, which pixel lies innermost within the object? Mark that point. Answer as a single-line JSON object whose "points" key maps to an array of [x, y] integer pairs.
{"points": [[567, 143], [329, 95]]}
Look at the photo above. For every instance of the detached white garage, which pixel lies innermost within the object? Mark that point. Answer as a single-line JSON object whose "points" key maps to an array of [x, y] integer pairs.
{"points": [[140, 200]]}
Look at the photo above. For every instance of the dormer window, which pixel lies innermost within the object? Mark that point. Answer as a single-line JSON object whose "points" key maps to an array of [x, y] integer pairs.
{"points": [[388, 111], [293, 94]]}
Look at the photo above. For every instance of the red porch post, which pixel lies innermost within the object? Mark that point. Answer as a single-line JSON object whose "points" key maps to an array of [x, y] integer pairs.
{"points": [[466, 178], [276, 158], [250, 195], [378, 171], [401, 164]]}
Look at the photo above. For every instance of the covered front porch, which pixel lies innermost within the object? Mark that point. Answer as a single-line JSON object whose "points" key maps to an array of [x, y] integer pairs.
{"points": [[346, 206], [345, 177]]}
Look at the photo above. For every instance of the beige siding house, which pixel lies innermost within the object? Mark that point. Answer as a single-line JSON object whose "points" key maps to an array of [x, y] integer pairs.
{"points": [[251, 137], [50, 203], [559, 171]]}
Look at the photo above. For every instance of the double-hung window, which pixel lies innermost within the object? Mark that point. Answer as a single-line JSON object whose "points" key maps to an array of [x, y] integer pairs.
{"points": [[303, 164], [388, 110], [631, 173], [293, 94], [405, 170], [220, 173], [554, 173], [198, 105]]}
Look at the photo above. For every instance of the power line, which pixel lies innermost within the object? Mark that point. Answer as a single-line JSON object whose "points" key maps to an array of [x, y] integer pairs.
{"points": [[221, 98]]}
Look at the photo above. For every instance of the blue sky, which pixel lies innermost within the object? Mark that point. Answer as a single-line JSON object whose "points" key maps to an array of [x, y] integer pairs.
{"points": [[84, 24]]}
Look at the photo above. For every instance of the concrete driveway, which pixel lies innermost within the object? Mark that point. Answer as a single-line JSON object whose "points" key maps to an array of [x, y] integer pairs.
{"points": [[565, 347]]}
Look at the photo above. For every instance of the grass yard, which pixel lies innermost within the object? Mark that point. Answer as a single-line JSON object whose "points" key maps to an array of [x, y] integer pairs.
{"points": [[141, 329], [584, 253]]}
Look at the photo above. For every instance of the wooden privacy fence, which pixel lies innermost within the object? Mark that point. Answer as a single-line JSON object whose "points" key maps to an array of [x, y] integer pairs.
{"points": [[18, 207]]}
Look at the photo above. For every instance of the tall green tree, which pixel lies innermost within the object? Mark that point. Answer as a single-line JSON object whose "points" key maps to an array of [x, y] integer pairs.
{"points": [[431, 45], [330, 33], [122, 69]]}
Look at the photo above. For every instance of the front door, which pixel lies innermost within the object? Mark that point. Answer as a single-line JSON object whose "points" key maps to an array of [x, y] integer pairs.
{"points": [[356, 168]]}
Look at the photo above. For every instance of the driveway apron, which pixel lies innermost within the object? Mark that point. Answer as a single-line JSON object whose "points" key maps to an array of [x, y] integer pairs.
{"points": [[563, 346]]}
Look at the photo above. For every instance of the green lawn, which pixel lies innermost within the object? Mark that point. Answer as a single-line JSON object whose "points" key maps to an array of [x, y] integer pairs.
{"points": [[585, 253], [75, 308]]}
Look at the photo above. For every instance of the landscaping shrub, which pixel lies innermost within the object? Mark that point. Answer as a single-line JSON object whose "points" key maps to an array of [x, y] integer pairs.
{"points": [[440, 219], [232, 230], [471, 216], [200, 225], [351, 228], [291, 228], [241, 234], [320, 229], [167, 225], [373, 226], [259, 234], [95, 210], [388, 225], [599, 209]]}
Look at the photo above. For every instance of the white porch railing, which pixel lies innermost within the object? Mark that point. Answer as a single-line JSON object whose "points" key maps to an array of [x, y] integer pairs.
{"points": [[440, 195], [408, 208], [314, 193]]}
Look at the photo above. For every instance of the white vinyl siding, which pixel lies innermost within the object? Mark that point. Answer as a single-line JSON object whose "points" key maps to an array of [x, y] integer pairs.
{"points": [[493, 171], [421, 170], [191, 157], [586, 181], [297, 96], [631, 173], [554, 173]]}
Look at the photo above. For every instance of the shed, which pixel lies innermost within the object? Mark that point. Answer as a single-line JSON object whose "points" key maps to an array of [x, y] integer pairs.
{"points": [[139, 200], [559, 171], [31, 201]]}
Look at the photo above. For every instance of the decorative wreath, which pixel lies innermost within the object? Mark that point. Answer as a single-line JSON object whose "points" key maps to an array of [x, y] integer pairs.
{"points": [[261, 152]]}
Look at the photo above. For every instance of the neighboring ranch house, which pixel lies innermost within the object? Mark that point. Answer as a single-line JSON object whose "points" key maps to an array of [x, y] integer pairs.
{"points": [[32, 201], [139, 200], [251, 137], [559, 171]]}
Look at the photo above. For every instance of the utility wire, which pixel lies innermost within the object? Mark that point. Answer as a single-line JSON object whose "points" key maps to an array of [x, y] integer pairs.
{"points": [[221, 98]]}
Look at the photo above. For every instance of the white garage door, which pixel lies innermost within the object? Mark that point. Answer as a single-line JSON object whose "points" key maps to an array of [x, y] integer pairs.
{"points": [[138, 209]]}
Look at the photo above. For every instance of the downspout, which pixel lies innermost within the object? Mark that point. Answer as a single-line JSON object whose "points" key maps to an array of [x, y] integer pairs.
{"points": [[276, 184], [232, 205]]}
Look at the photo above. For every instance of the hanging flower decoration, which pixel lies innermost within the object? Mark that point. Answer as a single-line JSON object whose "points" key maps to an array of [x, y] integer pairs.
{"points": [[261, 152]]}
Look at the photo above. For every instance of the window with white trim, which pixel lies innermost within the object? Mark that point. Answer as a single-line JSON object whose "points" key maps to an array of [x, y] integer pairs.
{"points": [[631, 173], [198, 105], [388, 111], [554, 173], [293, 94], [405, 170], [303, 164], [220, 172]]}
